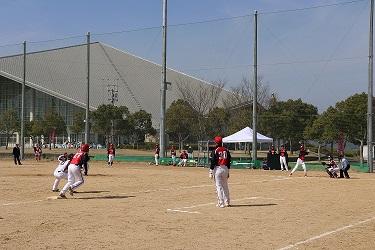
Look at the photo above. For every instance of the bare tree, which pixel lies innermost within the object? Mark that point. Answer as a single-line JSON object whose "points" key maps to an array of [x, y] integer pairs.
{"points": [[243, 94], [201, 97]]}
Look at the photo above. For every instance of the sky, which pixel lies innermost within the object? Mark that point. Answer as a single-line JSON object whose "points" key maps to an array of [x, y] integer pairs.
{"points": [[316, 51]]}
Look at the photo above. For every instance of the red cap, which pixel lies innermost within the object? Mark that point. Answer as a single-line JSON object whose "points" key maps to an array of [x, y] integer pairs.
{"points": [[218, 139]]}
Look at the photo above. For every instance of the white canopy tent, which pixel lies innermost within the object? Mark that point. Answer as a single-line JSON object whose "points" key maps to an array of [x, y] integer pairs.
{"points": [[246, 135]]}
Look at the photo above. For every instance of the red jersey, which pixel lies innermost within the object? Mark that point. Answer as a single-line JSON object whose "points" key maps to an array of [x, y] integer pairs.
{"points": [[302, 154], [111, 151], [282, 152], [157, 150], [220, 156], [173, 152], [77, 158]]}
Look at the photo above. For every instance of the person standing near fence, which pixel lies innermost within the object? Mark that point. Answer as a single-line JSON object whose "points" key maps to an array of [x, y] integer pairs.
{"points": [[283, 158], [173, 155], [111, 152], [301, 160], [16, 155], [157, 156], [219, 171]]}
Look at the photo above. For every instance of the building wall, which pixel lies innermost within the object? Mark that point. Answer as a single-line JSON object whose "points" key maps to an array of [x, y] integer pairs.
{"points": [[36, 102]]}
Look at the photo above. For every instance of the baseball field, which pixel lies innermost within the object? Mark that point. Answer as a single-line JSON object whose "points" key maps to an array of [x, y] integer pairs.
{"points": [[141, 206]]}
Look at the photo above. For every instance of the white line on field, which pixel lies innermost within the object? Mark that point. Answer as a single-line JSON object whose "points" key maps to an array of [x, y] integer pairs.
{"points": [[183, 211], [326, 233]]}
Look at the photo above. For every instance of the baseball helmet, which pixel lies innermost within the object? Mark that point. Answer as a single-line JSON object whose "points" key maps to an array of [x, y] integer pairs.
{"points": [[218, 139], [85, 147]]}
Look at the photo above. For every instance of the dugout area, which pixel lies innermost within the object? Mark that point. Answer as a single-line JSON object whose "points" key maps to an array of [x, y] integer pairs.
{"points": [[141, 206]]}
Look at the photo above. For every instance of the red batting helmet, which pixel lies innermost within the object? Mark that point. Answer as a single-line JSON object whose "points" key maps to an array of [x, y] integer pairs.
{"points": [[85, 147], [218, 139]]}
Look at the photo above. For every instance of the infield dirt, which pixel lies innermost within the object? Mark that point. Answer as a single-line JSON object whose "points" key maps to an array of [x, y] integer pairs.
{"points": [[138, 206]]}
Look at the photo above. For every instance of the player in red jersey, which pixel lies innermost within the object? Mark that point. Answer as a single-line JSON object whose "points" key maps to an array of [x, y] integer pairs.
{"points": [[219, 170], [75, 178], [111, 152], [301, 160]]}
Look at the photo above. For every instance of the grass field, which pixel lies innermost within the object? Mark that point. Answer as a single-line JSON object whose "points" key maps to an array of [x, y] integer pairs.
{"points": [[137, 206]]}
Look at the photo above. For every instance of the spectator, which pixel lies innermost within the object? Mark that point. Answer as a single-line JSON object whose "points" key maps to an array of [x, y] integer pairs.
{"points": [[157, 156], [16, 155], [173, 155], [190, 152]]}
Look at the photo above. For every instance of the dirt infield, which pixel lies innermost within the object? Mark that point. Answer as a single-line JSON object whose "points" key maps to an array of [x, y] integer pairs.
{"points": [[136, 206]]}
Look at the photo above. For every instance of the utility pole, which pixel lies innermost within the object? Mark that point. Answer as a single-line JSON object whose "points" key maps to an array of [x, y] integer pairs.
{"points": [[163, 85], [370, 91], [22, 141], [87, 120], [112, 97], [255, 96]]}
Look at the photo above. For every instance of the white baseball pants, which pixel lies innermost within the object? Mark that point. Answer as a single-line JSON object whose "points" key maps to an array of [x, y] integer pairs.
{"points": [[59, 176], [299, 162], [110, 158], [156, 159], [75, 178], [283, 163], [221, 181]]}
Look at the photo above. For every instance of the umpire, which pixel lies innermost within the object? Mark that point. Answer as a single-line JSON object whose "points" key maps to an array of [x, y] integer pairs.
{"points": [[344, 167]]}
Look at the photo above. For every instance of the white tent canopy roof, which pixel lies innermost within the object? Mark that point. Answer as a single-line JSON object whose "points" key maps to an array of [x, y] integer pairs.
{"points": [[245, 135]]}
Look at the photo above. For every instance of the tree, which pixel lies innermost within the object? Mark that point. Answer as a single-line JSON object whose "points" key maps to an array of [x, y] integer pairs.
{"points": [[201, 98], [352, 119], [179, 121], [53, 125], [109, 118], [287, 120], [78, 123], [240, 104], [217, 122], [9, 124], [141, 121]]}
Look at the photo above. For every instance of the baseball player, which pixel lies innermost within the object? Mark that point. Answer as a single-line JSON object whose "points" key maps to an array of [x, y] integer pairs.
{"points": [[301, 160], [157, 151], [183, 158], [173, 155], [75, 178], [61, 172], [219, 170], [331, 167], [283, 158], [111, 152]]}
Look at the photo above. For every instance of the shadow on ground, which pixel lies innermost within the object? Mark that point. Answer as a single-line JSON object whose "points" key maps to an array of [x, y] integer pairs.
{"points": [[254, 205], [106, 197]]}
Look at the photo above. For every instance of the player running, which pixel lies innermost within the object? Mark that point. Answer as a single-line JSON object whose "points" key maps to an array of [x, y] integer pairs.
{"points": [[75, 178]]}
